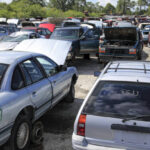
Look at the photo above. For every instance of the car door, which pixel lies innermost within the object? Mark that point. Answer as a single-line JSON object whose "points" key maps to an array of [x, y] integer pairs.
{"points": [[90, 42], [18, 86], [37, 85], [58, 78]]}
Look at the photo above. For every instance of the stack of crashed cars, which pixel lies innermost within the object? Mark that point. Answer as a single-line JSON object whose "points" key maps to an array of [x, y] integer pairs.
{"points": [[30, 85]]}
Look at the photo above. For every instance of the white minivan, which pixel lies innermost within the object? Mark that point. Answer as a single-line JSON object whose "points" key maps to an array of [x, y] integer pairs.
{"points": [[116, 112]]}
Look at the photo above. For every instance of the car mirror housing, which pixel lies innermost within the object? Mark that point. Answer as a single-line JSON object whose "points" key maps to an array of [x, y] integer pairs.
{"points": [[62, 68]]}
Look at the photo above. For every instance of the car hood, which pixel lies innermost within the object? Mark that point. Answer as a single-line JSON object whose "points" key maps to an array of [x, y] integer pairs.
{"points": [[57, 50], [120, 34], [7, 45]]}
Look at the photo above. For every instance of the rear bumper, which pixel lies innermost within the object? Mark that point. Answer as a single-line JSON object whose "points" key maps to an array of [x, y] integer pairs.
{"points": [[78, 143]]}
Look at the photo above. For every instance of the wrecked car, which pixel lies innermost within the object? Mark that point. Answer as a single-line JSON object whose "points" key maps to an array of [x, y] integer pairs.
{"points": [[11, 41], [121, 42], [57, 50], [85, 39], [115, 114], [31, 84]]}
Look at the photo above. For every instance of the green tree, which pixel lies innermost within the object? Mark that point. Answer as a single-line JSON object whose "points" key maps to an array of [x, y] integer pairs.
{"points": [[109, 9], [64, 5], [31, 2]]}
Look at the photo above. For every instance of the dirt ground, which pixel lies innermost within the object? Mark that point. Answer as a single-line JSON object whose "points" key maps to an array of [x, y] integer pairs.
{"points": [[58, 122]]}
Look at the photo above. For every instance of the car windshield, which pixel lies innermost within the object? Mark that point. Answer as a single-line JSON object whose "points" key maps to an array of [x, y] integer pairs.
{"points": [[119, 100], [3, 68], [18, 38], [67, 34]]}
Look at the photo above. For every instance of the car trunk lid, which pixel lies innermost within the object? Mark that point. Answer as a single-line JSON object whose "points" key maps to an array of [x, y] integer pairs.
{"points": [[106, 131]]}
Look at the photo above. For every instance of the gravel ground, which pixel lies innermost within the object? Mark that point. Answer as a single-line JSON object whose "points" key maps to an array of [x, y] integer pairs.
{"points": [[58, 122]]}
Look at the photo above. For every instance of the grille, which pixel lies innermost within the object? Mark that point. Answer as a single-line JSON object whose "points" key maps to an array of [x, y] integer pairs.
{"points": [[117, 51]]}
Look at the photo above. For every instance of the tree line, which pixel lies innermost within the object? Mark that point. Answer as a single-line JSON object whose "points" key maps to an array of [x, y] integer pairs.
{"points": [[71, 8]]}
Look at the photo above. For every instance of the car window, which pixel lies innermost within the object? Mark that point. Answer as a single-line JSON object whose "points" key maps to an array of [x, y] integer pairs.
{"points": [[47, 31], [119, 100], [33, 70], [3, 68], [26, 74], [2, 30], [32, 36], [90, 34], [17, 79], [49, 66]]}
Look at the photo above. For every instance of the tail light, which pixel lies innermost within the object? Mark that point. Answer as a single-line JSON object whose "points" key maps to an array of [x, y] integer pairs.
{"points": [[101, 50], [81, 125], [132, 51]]}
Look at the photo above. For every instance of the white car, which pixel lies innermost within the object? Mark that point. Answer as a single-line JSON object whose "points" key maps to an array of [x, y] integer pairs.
{"points": [[116, 112], [11, 41]]}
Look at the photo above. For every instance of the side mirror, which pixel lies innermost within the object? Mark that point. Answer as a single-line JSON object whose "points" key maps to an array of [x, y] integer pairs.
{"points": [[62, 68], [97, 73], [82, 37]]}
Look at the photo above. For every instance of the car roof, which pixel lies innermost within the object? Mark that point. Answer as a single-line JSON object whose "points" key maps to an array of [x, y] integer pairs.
{"points": [[121, 27], [9, 57], [68, 28], [128, 71], [30, 28], [21, 33]]}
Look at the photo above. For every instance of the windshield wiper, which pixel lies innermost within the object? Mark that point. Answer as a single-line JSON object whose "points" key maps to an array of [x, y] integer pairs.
{"points": [[137, 117]]}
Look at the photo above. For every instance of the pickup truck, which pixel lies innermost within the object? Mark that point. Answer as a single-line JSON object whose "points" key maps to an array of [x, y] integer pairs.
{"points": [[121, 42], [30, 85]]}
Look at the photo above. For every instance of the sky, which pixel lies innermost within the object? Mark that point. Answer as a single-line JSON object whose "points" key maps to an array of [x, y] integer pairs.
{"points": [[102, 2]]}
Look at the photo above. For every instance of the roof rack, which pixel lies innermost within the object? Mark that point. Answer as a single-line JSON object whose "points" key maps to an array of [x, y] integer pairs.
{"points": [[119, 68]]}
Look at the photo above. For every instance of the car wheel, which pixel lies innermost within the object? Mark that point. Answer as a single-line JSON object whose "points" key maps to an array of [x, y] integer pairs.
{"points": [[70, 96], [21, 132], [139, 57], [37, 133], [86, 56]]}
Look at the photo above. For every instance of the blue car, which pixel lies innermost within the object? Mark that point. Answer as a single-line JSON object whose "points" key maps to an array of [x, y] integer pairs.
{"points": [[30, 85], [3, 32]]}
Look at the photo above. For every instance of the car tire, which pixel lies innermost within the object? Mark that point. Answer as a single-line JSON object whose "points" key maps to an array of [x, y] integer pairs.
{"points": [[139, 56], [37, 133], [21, 133], [71, 95], [86, 56]]}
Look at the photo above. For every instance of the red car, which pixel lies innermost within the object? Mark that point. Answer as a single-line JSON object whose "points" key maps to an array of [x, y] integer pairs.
{"points": [[49, 26], [42, 31]]}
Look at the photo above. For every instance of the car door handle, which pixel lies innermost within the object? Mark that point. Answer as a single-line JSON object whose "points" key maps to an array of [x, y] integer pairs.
{"points": [[33, 93]]}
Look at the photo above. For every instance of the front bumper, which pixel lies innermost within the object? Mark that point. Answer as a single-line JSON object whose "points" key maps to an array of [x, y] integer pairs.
{"points": [[115, 57]]}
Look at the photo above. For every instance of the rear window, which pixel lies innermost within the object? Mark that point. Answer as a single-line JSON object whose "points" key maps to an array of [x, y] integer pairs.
{"points": [[3, 68], [119, 100]]}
